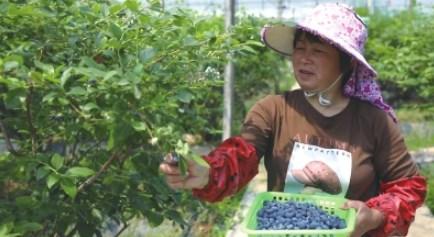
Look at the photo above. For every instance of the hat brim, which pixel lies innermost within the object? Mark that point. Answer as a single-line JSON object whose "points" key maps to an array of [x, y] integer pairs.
{"points": [[280, 38]]}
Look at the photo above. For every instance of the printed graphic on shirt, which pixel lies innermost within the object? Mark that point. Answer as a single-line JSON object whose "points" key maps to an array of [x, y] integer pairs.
{"points": [[315, 167]]}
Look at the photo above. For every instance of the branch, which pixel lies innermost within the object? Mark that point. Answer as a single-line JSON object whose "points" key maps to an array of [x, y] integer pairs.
{"points": [[193, 220], [72, 152], [30, 117], [103, 168], [9, 145], [122, 229], [74, 149]]}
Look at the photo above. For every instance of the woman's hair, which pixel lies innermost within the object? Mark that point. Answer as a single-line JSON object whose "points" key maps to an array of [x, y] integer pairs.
{"points": [[344, 58]]}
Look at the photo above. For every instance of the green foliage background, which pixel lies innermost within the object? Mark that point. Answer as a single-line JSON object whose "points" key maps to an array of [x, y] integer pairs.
{"points": [[401, 49]]}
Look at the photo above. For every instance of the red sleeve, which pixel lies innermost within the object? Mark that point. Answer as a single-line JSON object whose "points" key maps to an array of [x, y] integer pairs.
{"points": [[398, 201], [232, 165]]}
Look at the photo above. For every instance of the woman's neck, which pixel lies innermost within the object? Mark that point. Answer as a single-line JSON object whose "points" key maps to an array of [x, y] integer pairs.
{"points": [[338, 103]]}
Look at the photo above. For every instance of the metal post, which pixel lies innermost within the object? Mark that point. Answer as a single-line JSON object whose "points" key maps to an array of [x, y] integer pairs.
{"points": [[228, 92], [371, 7], [412, 4], [280, 8]]}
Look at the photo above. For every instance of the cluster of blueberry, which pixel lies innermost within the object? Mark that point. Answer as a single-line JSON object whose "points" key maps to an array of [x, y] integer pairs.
{"points": [[291, 215]]}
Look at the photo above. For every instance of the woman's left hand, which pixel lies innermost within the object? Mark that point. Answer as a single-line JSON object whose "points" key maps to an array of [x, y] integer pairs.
{"points": [[366, 218]]}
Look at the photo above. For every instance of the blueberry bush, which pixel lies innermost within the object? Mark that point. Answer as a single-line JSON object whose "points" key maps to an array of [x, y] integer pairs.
{"points": [[93, 95]]}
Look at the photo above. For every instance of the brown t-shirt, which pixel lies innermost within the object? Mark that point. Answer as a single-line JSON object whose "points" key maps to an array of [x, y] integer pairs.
{"points": [[378, 152]]}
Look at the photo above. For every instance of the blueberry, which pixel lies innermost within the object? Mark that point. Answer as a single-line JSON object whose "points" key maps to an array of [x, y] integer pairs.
{"points": [[342, 224], [276, 215]]}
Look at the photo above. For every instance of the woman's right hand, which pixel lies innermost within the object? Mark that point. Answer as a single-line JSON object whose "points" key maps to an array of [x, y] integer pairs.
{"points": [[196, 177], [366, 218]]}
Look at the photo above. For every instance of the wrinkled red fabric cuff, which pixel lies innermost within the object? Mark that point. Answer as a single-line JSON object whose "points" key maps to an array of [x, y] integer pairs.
{"points": [[398, 201], [232, 165]]}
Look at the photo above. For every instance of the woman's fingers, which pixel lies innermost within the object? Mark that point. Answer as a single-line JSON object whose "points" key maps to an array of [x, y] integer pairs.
{"points": [[353, 204], [169, 169], [176, 183], [175, 178], [183, 182], [196, 177]]}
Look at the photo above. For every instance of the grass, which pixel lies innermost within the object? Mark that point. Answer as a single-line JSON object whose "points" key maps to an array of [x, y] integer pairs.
{"points": [[418, 134], [219, 217], [428, 171], [417, 126], [140, 228], [413, 114], [415, 142]]}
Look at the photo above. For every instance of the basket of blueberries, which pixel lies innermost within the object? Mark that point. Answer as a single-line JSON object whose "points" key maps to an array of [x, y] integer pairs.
{"points": [[289, 214]]}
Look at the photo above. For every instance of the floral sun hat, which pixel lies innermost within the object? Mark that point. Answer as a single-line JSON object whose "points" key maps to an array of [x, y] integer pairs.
{"points": [[340, 26]]}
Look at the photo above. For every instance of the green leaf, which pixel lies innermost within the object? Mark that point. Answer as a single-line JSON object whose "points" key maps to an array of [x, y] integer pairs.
{"points": [[6, 230], [78, 91], [119, 133], [57, 161], [139, 126], [198, 159], [184, 96], [52, 180], [50, 97], [154, 218], [146, 54], [174, 215], [115, 30], [13, 83], [182, 165], [90, 64], [255, 43], [123, 82], [11, 65], [155, 4], [91, 72], [116, 8], [137, 92], [69, 187], [249, 49], [42, 172], [44, 67], [80, 171], [112, 140], [89, 106], [26, 202], [25, 226], [25, 11], [65, 76], [14, 100], [182, 148], [110, 74], [190, 41], [133, 5]]}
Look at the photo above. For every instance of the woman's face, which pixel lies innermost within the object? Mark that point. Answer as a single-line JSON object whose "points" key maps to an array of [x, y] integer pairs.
{"points": [[316, 64]]}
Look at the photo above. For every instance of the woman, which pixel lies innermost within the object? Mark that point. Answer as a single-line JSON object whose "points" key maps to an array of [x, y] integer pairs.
{"points": [[335, 134]]}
